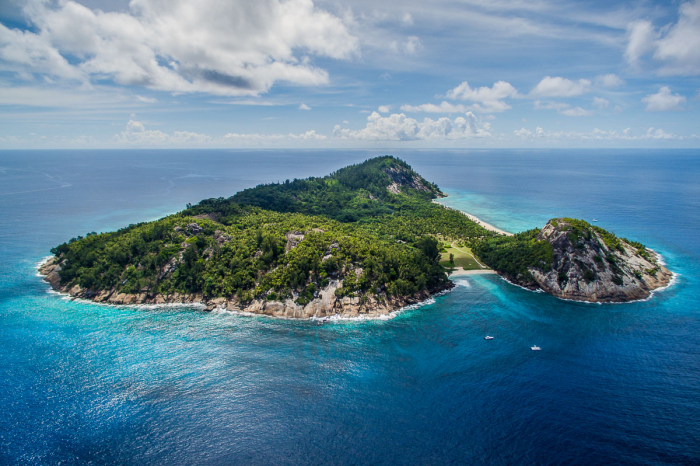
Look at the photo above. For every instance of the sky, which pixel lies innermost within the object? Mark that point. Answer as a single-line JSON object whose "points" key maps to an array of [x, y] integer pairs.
{"points": [[349, 74]]}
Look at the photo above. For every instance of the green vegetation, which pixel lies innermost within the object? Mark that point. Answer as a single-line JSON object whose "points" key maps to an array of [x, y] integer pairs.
{"points": [[514, 255], [372, 225], [461, 256]]}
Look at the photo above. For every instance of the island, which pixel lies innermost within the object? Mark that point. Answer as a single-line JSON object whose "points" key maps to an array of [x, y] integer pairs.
{"points": [[364, 241]]}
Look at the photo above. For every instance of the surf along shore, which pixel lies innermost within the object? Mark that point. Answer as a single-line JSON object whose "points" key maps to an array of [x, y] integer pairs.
{"points": [[326, 305]]}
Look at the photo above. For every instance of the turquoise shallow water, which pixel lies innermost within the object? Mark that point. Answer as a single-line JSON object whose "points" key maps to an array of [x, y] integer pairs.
{"points": [[88, 384]]}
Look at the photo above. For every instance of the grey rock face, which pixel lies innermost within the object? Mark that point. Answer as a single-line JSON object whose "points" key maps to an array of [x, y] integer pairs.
{"points": [[585, 268]]}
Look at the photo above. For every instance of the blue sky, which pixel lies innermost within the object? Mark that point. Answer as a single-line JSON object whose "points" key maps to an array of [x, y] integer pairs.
{"points": [[326, 73]]}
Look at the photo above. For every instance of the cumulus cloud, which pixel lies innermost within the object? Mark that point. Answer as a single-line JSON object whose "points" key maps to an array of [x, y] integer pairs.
{"points": [[136, 134], [675, 46], [303, 106], [398, 127], [610, 81], [383, 109], [664, 101], [226, 48], [560, 87], [487, 99], [658, 133]]}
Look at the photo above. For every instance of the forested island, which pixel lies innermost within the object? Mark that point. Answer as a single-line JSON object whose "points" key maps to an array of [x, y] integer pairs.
{"points": [[363, 241]]}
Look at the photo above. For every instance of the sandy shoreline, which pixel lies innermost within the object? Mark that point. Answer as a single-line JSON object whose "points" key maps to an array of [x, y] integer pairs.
{"points": [[477, 220], [458, 271]]}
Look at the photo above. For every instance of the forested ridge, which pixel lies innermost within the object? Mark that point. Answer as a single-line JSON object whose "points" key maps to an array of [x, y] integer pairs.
{"points": [[371, 225]]}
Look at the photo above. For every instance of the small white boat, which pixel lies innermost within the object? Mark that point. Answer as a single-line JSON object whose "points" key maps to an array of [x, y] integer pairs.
{"points": [[535, 348], [595, 220], [487, 337]]}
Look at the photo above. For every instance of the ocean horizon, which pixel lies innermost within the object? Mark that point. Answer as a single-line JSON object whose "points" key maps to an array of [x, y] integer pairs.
{"points": [[84, 383]]}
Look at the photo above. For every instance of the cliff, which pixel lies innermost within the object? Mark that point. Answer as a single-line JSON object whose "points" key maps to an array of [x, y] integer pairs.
{"points": [[590, 264]]}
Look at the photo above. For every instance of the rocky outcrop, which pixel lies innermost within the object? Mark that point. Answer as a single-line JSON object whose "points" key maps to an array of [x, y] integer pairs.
{"points": [[587, 268], [326, 304], [402, 177], [293, 238]]}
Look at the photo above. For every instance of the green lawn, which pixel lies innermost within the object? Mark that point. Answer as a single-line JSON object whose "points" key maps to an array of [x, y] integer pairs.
{"points": [[463, 257]]}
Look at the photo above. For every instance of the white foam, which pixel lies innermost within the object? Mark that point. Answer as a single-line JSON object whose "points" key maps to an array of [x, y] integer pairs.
{"points": [[389, 316], [38, 265], [463, 282], [520, 286]]}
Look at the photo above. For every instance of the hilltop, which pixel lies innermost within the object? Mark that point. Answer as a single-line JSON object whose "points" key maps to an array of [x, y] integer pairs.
{"points": [[362, 240], [573, 259]]}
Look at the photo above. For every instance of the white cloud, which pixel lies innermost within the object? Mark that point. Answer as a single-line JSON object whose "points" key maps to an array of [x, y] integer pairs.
{"points": [[263, 103], [226, 48], [558, 106], [561, 108], [560, 87], [640, 40], [610, 81], [252, 137], [407, 19], [311, 134], [147, 100], [303, 106], [444, 107], [664, 101], [575, 112], [486, 99], [383, 109], [523, 133], [676, 47], [398, 127], [28, 53], [411, 46], [500, 90], [136, 135], [601, 103], [658, 133], [596, 134]]}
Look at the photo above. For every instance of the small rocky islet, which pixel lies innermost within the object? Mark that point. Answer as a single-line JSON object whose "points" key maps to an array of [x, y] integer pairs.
{"points": [[362, 241]]}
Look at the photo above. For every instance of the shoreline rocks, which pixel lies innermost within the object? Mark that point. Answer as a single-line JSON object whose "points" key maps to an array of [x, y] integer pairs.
{"points": [[327, 304]]}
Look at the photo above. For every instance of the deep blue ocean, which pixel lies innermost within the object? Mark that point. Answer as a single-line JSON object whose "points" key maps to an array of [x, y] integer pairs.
{"points": [[614, 384]]}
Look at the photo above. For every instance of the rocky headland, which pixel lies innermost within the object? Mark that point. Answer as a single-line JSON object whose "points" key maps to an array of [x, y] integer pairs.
{"points": [[593, 265]]}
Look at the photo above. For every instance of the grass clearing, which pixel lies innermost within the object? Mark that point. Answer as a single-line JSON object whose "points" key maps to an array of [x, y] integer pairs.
{"points": [[463, 257]]}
